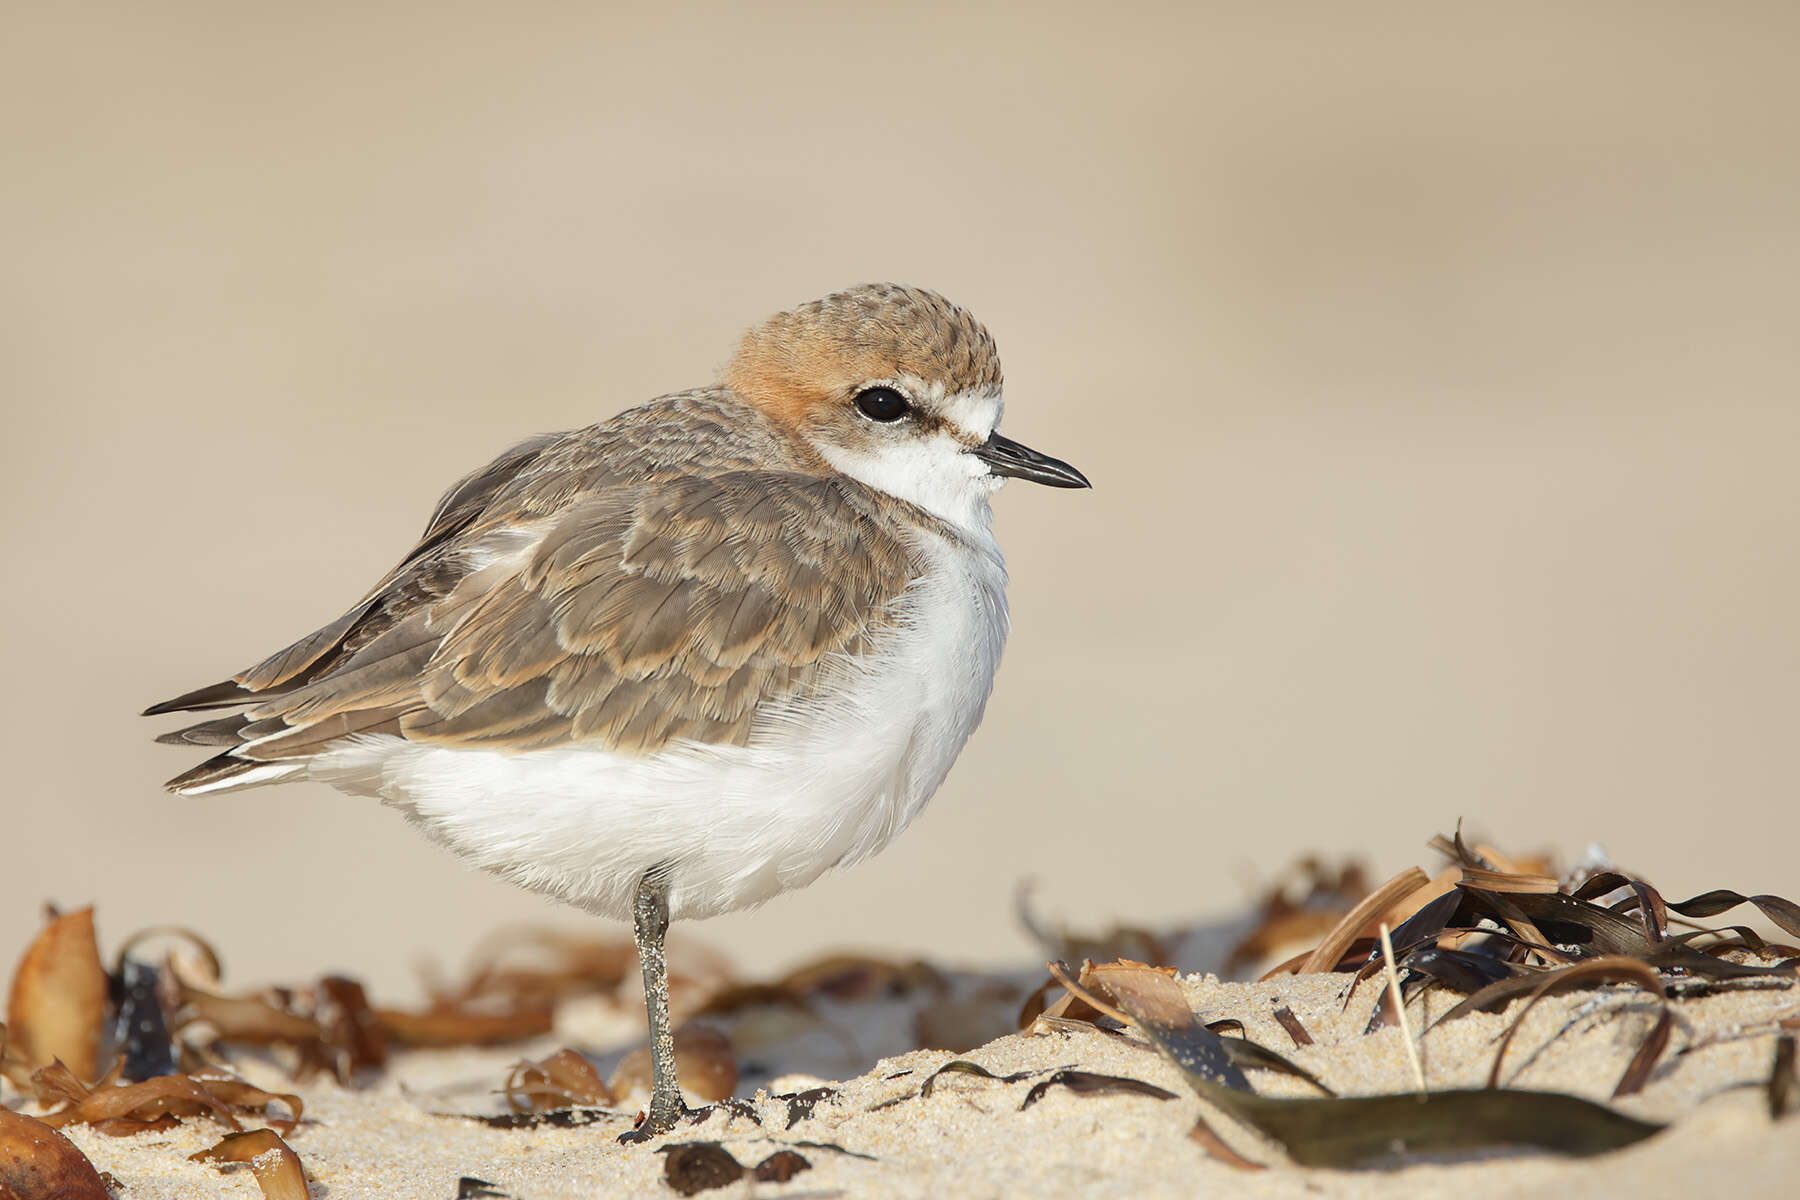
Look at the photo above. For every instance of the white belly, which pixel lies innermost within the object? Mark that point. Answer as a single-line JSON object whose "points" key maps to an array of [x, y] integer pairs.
{"points": [[819, 786]]}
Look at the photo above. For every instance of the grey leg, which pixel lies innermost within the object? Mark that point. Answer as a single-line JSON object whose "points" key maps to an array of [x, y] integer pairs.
{"points": [[652, 923]]}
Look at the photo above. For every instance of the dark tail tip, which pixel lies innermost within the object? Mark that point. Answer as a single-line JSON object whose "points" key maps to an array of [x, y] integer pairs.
{"points": [[217, 695]]}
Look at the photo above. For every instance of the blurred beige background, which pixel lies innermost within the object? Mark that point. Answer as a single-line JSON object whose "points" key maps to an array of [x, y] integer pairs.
{"points": [[1438, 375]]}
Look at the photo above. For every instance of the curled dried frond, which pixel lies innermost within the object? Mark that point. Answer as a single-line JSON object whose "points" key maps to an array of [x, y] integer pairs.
{"points": [[274, 1163], [157, 1103], [561, 1080]]}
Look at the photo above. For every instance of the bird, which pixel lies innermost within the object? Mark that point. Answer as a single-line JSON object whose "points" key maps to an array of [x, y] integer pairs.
{"points": [[674, 663]]}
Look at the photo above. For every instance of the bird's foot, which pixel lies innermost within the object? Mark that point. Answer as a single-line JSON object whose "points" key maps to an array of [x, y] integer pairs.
{"points": [[663, 1115]]}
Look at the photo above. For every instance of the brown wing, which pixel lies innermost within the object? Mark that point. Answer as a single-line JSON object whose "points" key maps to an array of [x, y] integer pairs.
{"points": [[624, 592]]}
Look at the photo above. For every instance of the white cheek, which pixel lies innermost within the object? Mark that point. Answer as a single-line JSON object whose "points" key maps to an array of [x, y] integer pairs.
{"points": [[936, 473]]}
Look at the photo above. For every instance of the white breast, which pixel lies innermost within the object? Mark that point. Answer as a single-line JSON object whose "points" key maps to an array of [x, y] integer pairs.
{"points": [[822, 783]]}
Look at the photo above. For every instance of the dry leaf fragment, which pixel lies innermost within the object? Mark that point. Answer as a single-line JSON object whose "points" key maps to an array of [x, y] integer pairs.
{"points": [[694, 1167], [562, 1079], [273, 1161], [1288, 1021], [57, 1007], [780, 1167], [38, 1163]]}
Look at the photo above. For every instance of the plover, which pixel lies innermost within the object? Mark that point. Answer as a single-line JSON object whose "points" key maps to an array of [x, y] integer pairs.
{"points": [[680, 661]]}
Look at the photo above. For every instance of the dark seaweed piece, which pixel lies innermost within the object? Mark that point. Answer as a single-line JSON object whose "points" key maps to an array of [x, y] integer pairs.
{"points": [[1354, 1130], [963, 1066], [1424, 926], [1288, 1021], [1088, 1083], [780, 1167], [471, 1188], [800, 1105], [732, 1106], [140, 1029], [694, 1167], [1460, 970], [558, 1118], [1784, 913], [1649, 1052], [1782, 1081], [1569, 921]]}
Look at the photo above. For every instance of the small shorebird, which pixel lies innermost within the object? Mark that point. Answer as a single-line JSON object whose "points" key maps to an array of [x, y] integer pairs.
{"points": [[677, 662]]}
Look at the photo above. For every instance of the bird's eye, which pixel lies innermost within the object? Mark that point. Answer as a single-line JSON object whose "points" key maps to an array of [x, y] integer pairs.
{"points": [[882, 404]]}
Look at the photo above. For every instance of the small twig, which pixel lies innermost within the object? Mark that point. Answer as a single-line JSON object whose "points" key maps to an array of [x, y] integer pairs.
{"points": [[1393, 978]]}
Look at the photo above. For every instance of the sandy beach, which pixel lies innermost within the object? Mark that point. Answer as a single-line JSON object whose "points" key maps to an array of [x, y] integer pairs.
{"points": [[876, 1136], [901, 1078]]}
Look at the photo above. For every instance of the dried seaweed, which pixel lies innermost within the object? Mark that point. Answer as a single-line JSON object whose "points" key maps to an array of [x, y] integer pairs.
{"points": [[157, 1103], [140, 1027], [451, 1025], [693, 1167], [56, 1010], [1352, 1131], [963, 1066], [558, 1118], [1360, 919], [1783, 1083], [1090, 1083], [1284, 1016], [1204, 1136], [561, 1080], [274, 1163], [800, 1105], [571, 966], [1610, 968], [1649, 1053]]}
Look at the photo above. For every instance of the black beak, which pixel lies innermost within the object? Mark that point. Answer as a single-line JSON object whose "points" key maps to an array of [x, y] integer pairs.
{"points": [[1007, 457]]}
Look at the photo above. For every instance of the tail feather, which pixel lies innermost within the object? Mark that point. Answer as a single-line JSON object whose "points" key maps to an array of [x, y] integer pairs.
{"points": [[227, 772], [221, 731], [226, 693]]}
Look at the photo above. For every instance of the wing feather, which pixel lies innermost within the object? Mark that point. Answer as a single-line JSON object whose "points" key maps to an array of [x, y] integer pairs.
{"points": [[619, 587]]}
